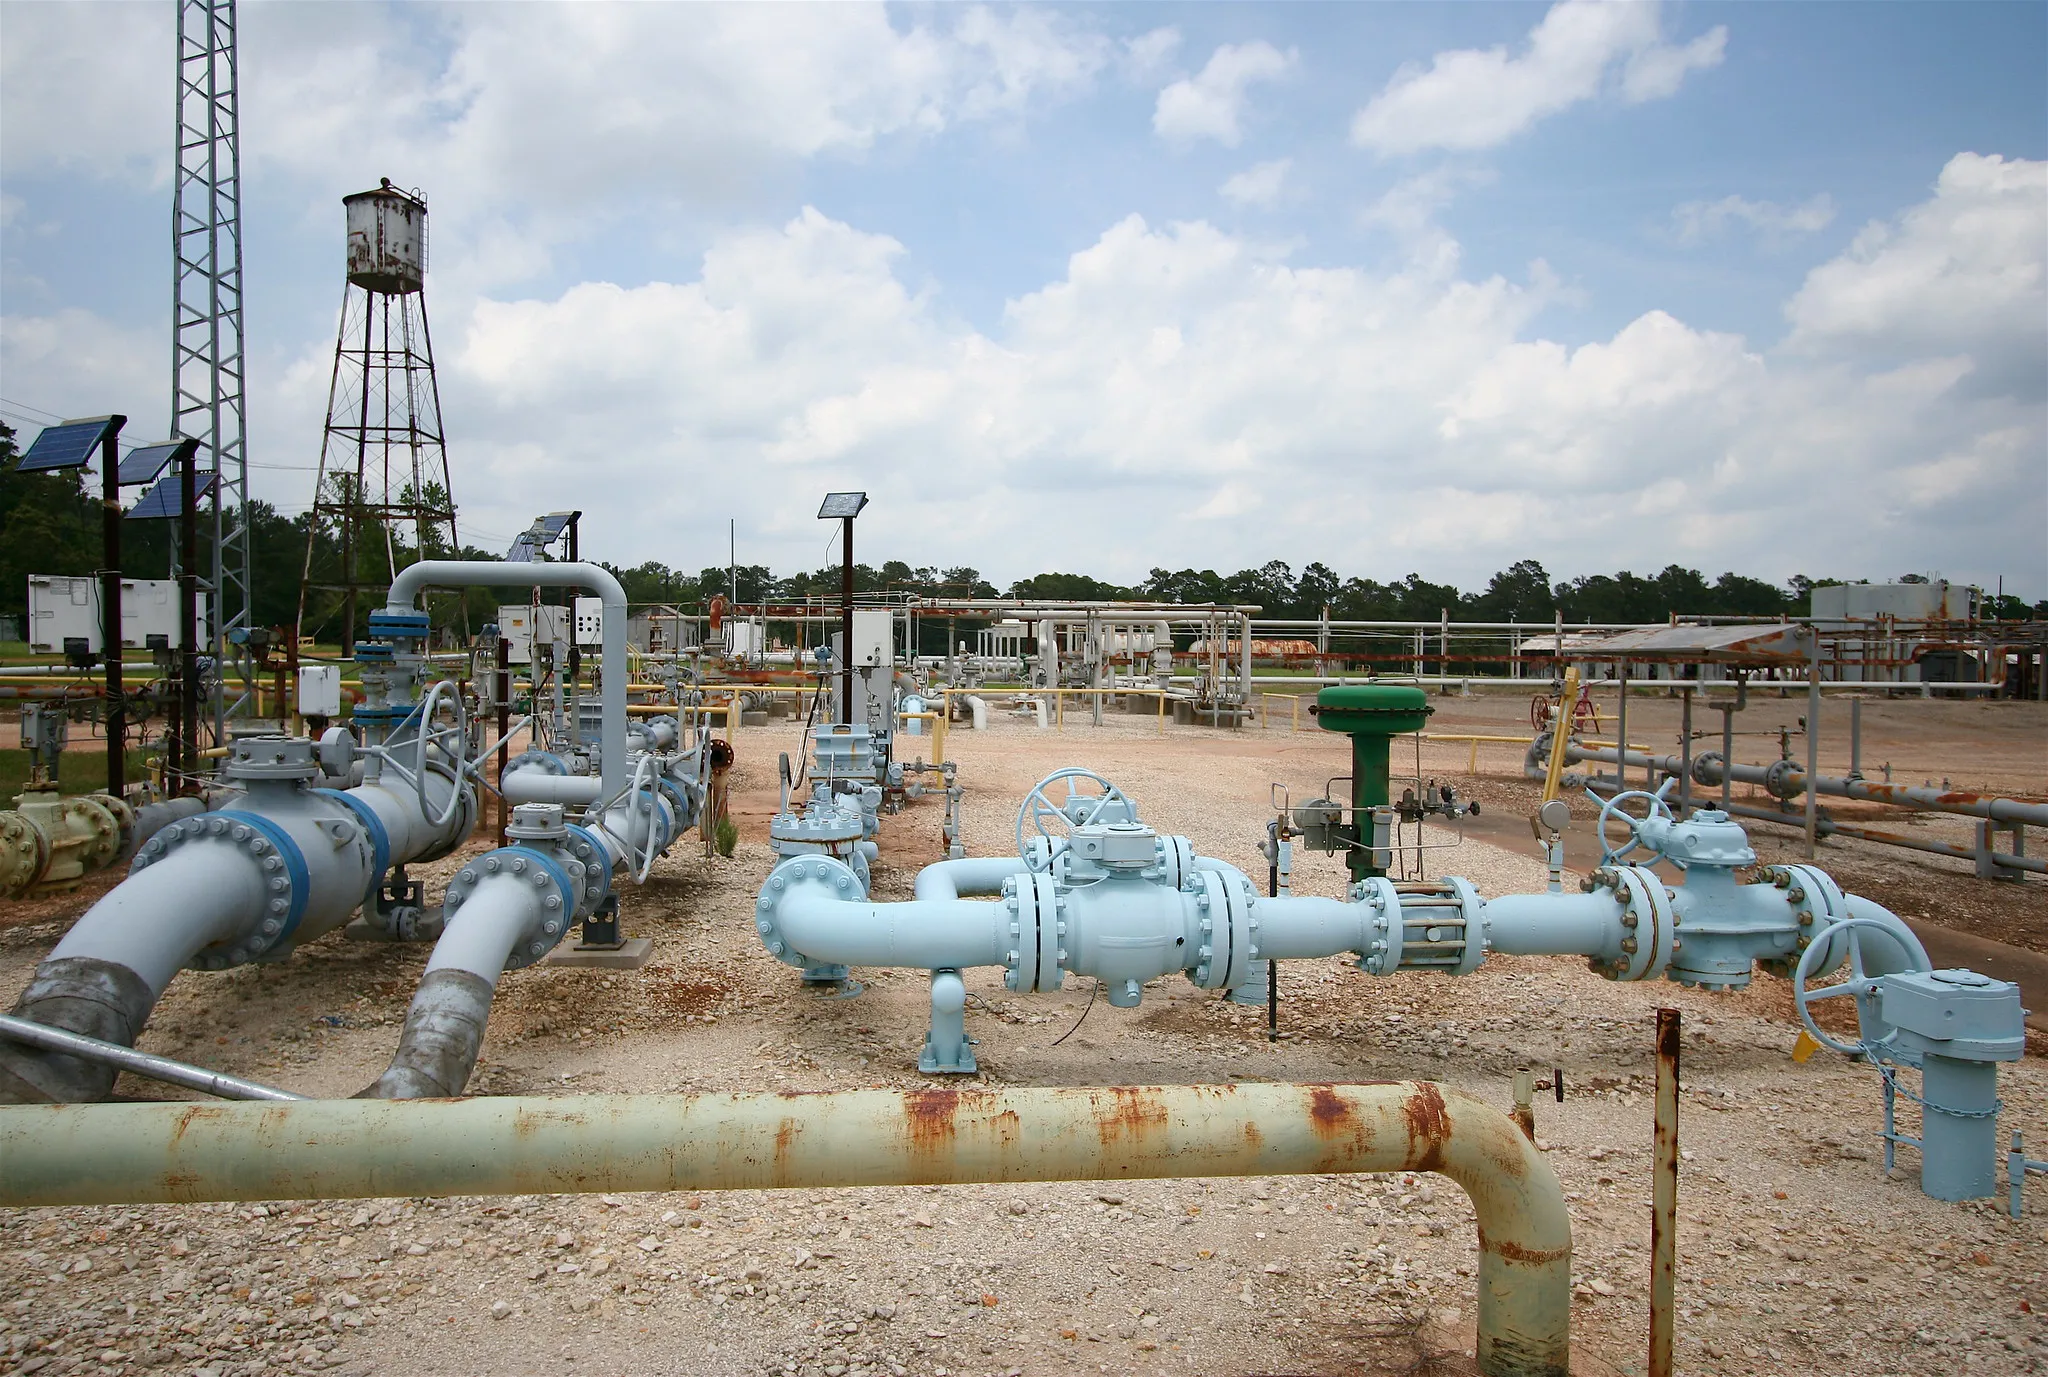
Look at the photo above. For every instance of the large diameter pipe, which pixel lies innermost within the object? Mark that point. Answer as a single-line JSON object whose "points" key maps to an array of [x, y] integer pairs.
{"points": [[451, 573], [331, 1149], [929, 933]]}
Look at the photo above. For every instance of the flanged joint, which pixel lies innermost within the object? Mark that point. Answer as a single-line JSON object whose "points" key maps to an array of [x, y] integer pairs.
{"points": [[556, 881], [257, 841], [815, 873], [1226, 948]]}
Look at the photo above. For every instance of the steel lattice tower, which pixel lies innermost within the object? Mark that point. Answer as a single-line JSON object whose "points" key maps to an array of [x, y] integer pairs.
{"points": [[383, 478], [207, 378]]}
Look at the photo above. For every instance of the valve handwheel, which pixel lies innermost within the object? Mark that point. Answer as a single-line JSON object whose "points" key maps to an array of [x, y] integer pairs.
{"points": [[1038, 808], [1859, 982], [1610, 808], [427, 735]]}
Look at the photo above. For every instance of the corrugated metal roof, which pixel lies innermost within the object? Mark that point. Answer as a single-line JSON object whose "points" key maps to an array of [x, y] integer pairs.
{"points": [[1781, 643]]}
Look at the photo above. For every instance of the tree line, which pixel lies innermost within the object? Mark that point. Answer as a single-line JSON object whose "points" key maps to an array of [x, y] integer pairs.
{"points": [[50, 524]]}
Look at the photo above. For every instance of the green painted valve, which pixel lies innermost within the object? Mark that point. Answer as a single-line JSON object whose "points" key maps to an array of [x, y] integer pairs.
{"points": [[1371, 715]]}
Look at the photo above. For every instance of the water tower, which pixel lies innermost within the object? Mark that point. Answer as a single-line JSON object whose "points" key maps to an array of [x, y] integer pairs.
{"points": [[383, 498]]}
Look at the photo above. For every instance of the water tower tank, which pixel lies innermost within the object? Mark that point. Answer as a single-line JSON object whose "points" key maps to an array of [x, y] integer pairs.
{"points": [[387, 240]]}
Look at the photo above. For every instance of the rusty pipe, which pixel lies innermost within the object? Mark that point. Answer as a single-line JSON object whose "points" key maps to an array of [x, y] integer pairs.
{"points": [[332, 1149], [1664, 1193]]}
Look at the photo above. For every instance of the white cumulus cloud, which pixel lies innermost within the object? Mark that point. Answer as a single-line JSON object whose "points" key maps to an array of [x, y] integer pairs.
{"points": [[1258, 185], [1698, 221], [1965, 272], [1474, 98], [1211, 104]]}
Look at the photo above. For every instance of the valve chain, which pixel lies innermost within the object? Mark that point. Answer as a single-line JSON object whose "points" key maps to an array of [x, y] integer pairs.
{"points": [[1894, 1086]]}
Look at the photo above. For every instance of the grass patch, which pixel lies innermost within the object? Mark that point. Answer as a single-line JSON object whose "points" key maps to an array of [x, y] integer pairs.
{"points": [[80, 772]]}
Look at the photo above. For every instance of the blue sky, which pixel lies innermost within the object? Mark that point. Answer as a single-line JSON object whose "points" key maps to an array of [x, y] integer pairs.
{"points": [[1397, 287]]}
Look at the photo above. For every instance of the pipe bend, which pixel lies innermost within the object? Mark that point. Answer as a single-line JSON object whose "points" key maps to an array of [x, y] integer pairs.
{"points": [[967, 875], [444, 1025], [145, 1153]]}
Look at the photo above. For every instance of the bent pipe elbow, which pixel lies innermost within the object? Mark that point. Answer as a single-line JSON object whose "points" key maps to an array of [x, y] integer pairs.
{"points": [[444, 1026], [967, 875], [154, 1153], [106, 974]]}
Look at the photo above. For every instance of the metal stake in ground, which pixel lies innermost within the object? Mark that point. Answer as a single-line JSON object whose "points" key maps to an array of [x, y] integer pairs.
{"points": [[1664, 1203]]}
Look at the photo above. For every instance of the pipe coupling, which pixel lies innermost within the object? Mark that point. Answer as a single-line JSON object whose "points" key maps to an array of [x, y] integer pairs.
{"points": [[251, 840]]}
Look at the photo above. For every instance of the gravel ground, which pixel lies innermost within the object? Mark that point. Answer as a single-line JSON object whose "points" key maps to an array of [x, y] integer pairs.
{"points": [[1796, 1254]]}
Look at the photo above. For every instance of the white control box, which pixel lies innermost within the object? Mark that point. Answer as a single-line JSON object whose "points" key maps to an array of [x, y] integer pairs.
{"points": [[522, 624], [62, 608], [320, 691], [589, 621], [874, 636]]}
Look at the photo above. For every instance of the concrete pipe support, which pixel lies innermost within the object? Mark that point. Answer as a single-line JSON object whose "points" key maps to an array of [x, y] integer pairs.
{"points": [[328, 1149]]}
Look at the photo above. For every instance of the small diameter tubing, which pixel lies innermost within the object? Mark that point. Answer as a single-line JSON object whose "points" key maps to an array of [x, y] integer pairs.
{"points": [[932, 934], [328, 1149], [139, 1063]]}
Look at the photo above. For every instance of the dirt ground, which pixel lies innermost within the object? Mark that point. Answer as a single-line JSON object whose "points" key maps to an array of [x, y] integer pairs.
{"points": [[1796, 1252]]}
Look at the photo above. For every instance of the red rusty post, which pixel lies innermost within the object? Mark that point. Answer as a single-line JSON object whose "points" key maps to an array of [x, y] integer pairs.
{"points": [[1664, 1202]]}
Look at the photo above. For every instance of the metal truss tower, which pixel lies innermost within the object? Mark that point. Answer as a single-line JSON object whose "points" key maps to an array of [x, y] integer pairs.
{"points": [[207, 377], [383, 496]]}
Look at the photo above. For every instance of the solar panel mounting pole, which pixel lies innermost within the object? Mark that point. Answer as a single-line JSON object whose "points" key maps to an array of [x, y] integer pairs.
{"points": [[844, 507], [185, 758], [110, 603]]}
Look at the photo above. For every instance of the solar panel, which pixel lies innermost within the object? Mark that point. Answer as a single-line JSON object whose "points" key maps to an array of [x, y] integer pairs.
{"points": [[842, 505], [163, 499], [69, 445], [553, 524], [143, 464], [522, 549]]}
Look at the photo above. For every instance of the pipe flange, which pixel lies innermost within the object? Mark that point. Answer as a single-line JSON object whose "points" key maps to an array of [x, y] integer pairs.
{"points": [[24, 854], [1648, 924], [1228, 931], [583, 844], [1382, 953], [1052, 952], [373, 828], [542, 762], [800, 874], [124, 820], [1816, 903], [1778, 780], [281, 869], [1176, 861], [1707, 767], [1021, 959], [555, 881]]}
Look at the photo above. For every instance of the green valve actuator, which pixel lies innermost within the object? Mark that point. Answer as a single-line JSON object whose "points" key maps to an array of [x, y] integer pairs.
{"points": [[1371, 715]]}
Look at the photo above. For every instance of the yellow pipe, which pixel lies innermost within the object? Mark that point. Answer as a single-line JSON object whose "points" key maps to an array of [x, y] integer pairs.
{"points": [[1559, 735]]}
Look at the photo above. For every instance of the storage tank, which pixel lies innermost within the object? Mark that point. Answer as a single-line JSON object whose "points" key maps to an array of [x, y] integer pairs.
{"points": [[387, 240]]}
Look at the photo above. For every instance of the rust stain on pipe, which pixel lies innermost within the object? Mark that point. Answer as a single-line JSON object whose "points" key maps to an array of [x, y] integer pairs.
{"points": [[141, 1153]]}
